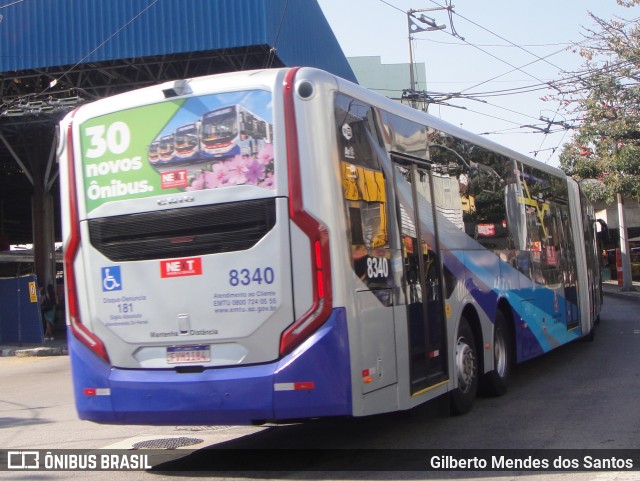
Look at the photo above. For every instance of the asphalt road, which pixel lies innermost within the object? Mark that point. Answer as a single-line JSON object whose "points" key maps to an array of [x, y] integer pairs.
{"points": [[581, 396]]}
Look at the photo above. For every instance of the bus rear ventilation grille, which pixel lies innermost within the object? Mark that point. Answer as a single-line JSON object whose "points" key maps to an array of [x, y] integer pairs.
{"points": [[185, 231]]}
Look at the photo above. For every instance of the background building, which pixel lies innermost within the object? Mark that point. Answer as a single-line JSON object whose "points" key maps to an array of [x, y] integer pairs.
{"points": [[390, 80]]}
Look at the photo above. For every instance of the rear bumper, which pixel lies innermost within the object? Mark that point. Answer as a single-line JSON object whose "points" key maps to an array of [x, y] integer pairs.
{"points": [[236, 395]]}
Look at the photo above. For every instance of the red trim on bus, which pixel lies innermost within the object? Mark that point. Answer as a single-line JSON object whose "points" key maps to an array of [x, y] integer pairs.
{"points": [[78, 329], [317, 233]]}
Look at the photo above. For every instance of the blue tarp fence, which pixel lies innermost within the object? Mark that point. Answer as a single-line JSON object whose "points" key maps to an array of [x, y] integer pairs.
{"points": [[20, 316]]}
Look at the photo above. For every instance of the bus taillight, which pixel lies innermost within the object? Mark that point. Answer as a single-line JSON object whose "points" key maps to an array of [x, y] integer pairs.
{"points": [[317, 233], [320, 309], [79, 330], [87, 338]]}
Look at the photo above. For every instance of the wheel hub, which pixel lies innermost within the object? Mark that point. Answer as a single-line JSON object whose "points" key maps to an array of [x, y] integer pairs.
{"points": [[465, 363]]}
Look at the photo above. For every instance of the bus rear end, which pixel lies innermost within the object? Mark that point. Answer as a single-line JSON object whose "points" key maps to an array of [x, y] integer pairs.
{"points": [[200, 292]]}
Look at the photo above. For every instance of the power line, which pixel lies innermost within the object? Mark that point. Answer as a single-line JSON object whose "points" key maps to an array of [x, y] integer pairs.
{"points": [[549, 84], [458, 94], [500, 37], [450, 8], [393, 6], [544, 59], [463, 44], [561, 87], [559, 143]]}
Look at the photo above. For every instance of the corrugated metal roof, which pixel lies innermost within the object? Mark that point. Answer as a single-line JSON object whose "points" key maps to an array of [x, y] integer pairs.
{"points": [[46, 33]]}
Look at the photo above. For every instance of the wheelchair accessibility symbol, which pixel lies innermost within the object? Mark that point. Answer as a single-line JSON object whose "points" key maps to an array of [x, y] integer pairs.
{"points": [[111, 279]]}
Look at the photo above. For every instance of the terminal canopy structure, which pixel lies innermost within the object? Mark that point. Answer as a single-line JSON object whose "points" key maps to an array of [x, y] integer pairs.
{"points": [[57, 55]]}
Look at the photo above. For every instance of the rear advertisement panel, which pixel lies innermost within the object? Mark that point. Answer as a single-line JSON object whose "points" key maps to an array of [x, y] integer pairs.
{"points": [[207, 300], [205, 142]]}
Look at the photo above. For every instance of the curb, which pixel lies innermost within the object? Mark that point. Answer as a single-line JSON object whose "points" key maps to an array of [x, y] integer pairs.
{"points": [[612, 289], [629, 296], [34, 352], [41, 352]]}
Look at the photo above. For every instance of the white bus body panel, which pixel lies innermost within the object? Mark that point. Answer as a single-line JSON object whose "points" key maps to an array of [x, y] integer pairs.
{"points": [[150, 304]]}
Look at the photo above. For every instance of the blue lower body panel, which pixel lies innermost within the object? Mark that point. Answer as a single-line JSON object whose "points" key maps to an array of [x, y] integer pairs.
{"points": [[234, 395]]}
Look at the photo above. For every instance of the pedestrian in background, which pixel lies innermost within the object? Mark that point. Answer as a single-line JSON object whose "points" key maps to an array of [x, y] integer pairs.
{"points": [[48, 307]]}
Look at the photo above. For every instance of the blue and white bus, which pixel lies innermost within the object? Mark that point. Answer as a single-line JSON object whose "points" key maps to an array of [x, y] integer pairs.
{"points": [[233, 130], [166, 148], [367, 259], [187, 143], [153, 155]]}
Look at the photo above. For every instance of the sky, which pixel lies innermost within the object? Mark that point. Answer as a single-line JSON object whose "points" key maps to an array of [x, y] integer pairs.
{"points": [[500, 36]]}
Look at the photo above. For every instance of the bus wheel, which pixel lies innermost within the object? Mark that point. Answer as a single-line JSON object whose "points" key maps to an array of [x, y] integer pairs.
{"points": [[592, 332], [465, 369], [495, 383]]}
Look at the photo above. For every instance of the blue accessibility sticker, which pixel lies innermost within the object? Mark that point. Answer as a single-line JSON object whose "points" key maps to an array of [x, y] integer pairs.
{"points": [[111, 279]]}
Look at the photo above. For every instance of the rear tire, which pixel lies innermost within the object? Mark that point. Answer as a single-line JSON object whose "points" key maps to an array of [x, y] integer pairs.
{"points": [[495, 383], [465, 370]]}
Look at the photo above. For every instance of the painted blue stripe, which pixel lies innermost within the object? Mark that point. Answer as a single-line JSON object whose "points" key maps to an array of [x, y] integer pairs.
{"points": [[488, 279], [236, 395]]}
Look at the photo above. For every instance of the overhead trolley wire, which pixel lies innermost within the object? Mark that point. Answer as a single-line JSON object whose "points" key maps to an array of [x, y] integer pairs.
{"points": [[459, 94], [463, 44], [393, 6], [515, 68], [558, 86], [499, 36]]}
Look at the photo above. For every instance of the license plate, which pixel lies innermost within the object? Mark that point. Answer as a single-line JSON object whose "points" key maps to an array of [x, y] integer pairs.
{"points": [[188, 354]]}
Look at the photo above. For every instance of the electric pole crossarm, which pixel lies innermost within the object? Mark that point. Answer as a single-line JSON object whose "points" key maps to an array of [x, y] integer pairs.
{"points": [[414, 27]]}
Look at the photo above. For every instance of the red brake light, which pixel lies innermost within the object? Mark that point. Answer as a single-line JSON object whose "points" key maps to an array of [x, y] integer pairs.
{"points": [[71, 251]]}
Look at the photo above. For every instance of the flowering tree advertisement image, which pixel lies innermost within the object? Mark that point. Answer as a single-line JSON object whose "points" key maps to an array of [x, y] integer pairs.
{"points": [[239, 170], [206, 142]]}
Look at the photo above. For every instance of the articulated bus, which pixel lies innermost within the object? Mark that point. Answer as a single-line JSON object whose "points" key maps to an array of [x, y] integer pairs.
{"points": [[369, 258]]}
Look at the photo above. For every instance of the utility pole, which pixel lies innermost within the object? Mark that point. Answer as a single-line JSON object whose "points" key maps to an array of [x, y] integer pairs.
{"points": [[627, 283], [414, 27]]}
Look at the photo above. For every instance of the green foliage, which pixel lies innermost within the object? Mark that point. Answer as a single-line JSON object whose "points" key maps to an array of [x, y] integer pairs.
{"points": [[605, 96]]}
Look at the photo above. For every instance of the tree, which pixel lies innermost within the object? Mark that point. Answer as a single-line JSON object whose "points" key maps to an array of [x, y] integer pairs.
{"points": [[605, 95]]}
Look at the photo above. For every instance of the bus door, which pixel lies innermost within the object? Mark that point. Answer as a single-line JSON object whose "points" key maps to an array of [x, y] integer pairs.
{"points": [[422, 273], [568, 266]]}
